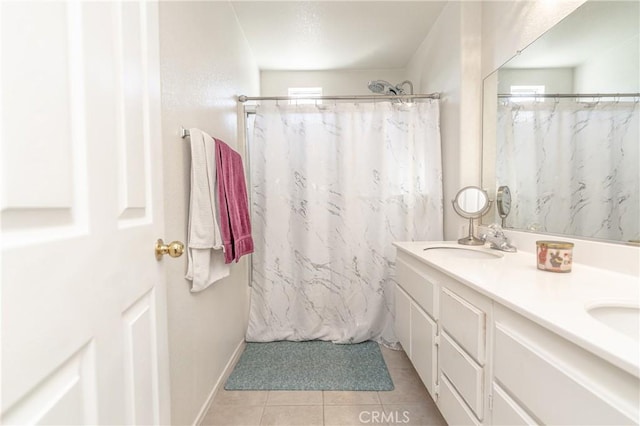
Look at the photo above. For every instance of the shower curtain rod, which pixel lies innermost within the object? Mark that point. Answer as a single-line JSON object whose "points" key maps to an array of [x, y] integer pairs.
{"points": [[243, 98], [570, 95]]}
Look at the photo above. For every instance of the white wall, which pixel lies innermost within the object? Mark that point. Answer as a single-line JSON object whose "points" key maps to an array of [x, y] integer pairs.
{"points": [[448, 61], [616, 70], [205, 62], [335, 82]]}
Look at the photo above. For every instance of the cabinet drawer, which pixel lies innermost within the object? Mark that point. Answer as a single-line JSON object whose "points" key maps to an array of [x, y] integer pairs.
{"points": [[423, 348], [463, 372], [464, 322], [454, 410], [506, 411], [539, 379], [421, 288]]}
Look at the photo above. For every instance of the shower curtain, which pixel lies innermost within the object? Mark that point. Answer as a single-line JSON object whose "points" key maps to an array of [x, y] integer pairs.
{"points": [[331, 188], [572, 167]]}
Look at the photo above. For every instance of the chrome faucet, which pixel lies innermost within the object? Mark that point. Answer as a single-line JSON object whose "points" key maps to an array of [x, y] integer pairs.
{"points": [[495, 235]]}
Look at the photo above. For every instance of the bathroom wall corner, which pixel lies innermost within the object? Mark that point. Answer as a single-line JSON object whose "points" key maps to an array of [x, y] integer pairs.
{"points": [[205, 62]]}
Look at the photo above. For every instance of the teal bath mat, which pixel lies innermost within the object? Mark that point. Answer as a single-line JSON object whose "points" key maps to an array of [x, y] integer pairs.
{"points": [[313, 365]]}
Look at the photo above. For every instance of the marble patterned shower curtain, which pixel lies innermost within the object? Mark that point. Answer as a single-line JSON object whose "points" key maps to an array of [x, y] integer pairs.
{"points": [[331, 188], [572, 167]]}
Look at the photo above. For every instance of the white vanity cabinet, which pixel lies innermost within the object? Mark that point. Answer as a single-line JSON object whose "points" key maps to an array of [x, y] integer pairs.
{"points": [[484, 362], [441, 325]]}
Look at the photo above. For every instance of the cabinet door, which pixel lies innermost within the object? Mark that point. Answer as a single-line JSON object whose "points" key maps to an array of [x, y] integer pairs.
{"points": [[403, 319], [423, 348]]}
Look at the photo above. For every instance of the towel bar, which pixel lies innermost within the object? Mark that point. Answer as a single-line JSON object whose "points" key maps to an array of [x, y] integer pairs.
{"points": [[184, 133]]}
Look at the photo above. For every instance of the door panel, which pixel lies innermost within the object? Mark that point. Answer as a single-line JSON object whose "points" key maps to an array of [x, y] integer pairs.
{"points": [[133, 140], [141, 371], [67, 396], [41, 122], [82, 307]]}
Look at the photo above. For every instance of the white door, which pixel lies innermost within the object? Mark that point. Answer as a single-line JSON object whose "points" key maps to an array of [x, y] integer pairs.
{"points": [[83, 309]]}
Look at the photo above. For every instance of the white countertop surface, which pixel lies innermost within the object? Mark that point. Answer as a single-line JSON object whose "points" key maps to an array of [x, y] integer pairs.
{"points": [[557, 301]]}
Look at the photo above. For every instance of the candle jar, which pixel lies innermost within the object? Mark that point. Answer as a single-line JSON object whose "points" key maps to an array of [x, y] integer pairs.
{"points": [[554, 256]]}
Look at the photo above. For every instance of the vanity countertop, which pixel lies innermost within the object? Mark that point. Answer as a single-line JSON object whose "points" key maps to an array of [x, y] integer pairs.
{"points": [[557, 301]]}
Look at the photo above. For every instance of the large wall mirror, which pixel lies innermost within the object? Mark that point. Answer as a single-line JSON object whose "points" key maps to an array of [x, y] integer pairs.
{"points": [[561, 127]]}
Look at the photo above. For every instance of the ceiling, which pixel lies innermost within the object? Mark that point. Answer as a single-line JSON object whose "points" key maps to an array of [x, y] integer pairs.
{"points": [[323, 35]]}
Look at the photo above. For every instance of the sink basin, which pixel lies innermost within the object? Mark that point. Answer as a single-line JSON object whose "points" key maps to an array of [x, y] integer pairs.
{"points": [[464, 252], [618, 316]]}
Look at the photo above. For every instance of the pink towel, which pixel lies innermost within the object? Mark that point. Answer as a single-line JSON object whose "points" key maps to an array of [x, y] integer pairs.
{"points": [[235, 225]]}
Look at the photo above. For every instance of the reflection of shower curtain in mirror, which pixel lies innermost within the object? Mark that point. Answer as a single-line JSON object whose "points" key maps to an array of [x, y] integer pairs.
{"points": [[572, 167], [331, 188]]}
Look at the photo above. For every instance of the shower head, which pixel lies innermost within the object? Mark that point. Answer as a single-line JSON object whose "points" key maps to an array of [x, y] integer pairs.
{"points": [[383, 87], [386, 88]]}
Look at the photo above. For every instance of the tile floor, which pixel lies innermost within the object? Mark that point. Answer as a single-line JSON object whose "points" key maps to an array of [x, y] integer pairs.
{"points": [[408, 404]]}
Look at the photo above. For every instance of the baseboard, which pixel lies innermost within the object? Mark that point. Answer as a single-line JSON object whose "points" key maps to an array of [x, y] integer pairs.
{"points": [[219, 382]]}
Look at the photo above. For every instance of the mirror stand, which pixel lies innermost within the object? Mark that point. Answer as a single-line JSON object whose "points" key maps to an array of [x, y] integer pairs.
{"points": [[471, 240], [471, 203]]}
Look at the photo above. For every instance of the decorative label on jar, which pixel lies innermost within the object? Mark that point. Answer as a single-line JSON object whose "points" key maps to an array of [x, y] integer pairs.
{"points": [[554, 256]]}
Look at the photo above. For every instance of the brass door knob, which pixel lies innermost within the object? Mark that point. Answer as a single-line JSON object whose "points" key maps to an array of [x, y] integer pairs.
{"points": [[173, 249]]}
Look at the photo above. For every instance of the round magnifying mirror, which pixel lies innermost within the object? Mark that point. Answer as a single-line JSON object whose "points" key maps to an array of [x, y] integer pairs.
{"points": [[471, 202], [503, 203]]}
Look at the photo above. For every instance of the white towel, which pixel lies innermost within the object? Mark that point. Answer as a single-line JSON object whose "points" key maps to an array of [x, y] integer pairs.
{"points": [[205, 256]]}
